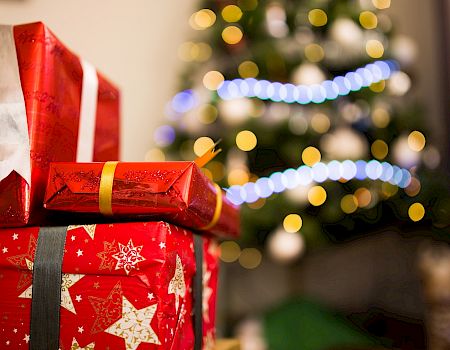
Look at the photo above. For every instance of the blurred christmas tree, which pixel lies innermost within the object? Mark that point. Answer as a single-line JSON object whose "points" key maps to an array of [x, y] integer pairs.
{"points": [[318, 87]]}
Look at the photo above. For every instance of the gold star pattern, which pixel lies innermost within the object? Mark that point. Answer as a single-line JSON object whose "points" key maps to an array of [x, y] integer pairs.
{"points": [[24, 261], [109, 249], [107, 310], [90, 229], [134, 326], [68, 280], [128, 257], [177, 285], [207, 292], [76, 346]]}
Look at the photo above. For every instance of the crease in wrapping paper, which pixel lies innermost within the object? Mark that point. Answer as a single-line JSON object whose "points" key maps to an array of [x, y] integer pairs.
{"points": [[14, 139]]}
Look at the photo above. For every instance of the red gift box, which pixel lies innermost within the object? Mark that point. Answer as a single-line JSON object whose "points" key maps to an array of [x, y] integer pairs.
{"points": [[52, 103], [174, 191], [123, 286]]}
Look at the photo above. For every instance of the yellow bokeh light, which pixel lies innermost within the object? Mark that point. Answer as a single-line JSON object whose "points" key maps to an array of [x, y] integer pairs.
{"points": [[232, 35], [202, 144], [363, 196], [413, 188], [378, 87], [381, 4], [320, 123], [248, 69], [217, 169], [314, 53], [416, 212], [250, 258], [258, 204], [212, 80], [203, 19], [292, 223], [388, 190], [349, 204], [416, 141], [317, 17], [237, 177], [155, 155], [207, 114], [207, 173], [188, 51], [368, 20], [374, 48], [379, 149], [246, 140], [231, 13], [229, 251], [380, 117], [204, 52], [311, 155], [317, 195]]}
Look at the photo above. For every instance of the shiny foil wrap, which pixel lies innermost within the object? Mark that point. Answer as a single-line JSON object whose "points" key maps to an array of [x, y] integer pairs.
{"points": [[124, 286], [51, 79], [174, 191]]}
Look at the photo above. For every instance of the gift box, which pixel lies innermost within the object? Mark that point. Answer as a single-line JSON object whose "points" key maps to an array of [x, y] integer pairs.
{"points": [[174, 191], [54, 106], [106, 286]]}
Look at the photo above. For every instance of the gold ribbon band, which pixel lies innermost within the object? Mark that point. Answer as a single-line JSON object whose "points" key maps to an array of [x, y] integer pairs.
{"points": [[217, 211], [106, 187]]}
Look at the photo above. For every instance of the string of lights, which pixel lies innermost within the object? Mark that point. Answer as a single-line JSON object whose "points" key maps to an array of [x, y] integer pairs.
{"points": [[305, 94], [320, 172]]}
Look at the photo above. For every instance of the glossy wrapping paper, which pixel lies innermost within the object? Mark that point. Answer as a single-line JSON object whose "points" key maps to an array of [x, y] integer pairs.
{"points": [[124, 286], [51, 80], [174, 191]]}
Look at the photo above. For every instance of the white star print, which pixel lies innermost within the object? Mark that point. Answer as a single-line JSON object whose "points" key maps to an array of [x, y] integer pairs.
{"points": [[15, 330], [150, 296], [26, 338], [80, 329], [128, 256], [73, 238], [134, 326], [15, 236], [5, 250], [79, 252], [78, 298], [162, 245], [8, 342]]}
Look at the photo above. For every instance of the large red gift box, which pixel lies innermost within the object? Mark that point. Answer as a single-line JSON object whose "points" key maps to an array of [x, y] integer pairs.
{"points": [[175, 191], [54, 106], [123, 286]]}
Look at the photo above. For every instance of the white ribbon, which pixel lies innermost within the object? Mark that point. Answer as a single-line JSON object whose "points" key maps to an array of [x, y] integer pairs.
{"points": [[14, 140], [88, 111]]}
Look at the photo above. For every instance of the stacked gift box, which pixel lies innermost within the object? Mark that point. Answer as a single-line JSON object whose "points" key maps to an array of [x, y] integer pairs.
{"points": [[95, 253]]}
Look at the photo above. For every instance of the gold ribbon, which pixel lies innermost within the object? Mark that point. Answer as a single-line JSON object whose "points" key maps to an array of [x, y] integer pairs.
{"points": [[209, 155], [217, 211], [106, 187]]}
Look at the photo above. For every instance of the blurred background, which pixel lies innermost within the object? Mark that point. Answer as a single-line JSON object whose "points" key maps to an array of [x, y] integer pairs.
{"points": [[334, 122]]}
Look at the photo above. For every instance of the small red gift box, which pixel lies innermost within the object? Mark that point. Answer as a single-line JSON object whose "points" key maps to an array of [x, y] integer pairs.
{"points": [[121, 286], [174, 191], [54, 106]]}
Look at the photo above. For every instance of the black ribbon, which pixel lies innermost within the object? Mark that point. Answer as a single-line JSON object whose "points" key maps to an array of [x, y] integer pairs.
{"points": [[47, 280], [198, 292]]}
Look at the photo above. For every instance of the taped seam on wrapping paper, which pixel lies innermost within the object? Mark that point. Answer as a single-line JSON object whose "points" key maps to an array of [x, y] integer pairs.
{"points": [[106, 187], [88, 112], [14, 138], [47, 282], [217, 210]]}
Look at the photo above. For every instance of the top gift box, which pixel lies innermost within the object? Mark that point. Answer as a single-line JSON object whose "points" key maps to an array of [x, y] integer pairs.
{"points": [[54, 106]]}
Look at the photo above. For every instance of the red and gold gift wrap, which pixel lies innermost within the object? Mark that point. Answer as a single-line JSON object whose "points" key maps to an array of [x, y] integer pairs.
{"points": [[124, 286], [51, 102], [174, 191]]}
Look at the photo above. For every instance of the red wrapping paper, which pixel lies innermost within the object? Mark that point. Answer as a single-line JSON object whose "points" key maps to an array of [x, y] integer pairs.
{"points": [[110, 273], [51, 79], [174, 191]]}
